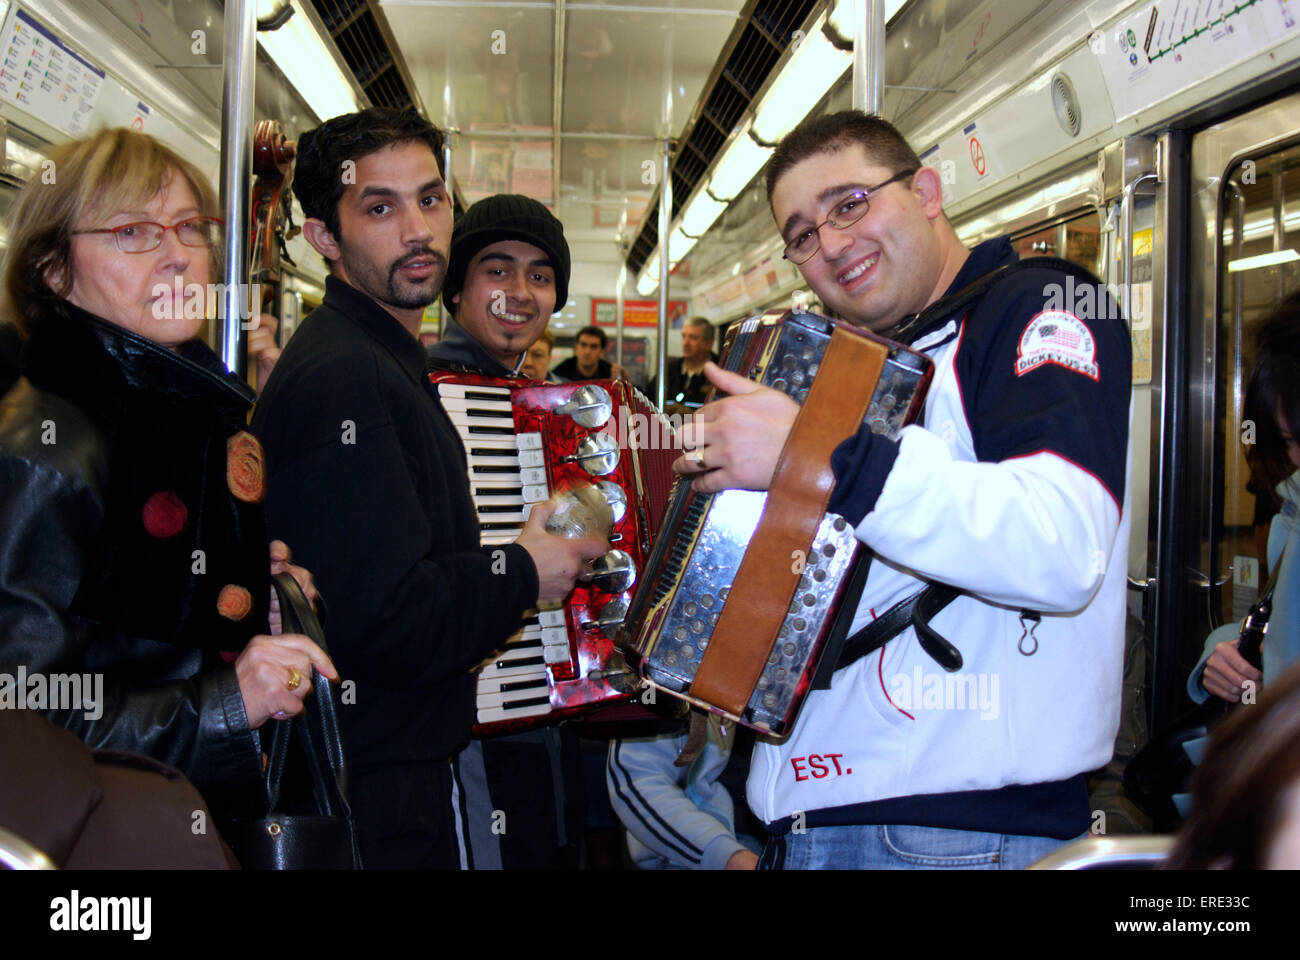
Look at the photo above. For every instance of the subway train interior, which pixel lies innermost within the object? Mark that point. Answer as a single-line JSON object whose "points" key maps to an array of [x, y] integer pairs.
{"points": [[1149, 142]]}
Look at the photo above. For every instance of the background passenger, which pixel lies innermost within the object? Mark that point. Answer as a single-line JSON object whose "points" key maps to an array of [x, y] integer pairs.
{"points": [[537, 361], [686, 818], [1273, 405], [1245, 811]]}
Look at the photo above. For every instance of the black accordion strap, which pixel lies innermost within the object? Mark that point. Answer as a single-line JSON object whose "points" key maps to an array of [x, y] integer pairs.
{"points": [[915, 610], [911, 328]]}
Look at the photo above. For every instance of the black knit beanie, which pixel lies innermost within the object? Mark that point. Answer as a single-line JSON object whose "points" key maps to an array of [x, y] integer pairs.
{"points": [[506, 216]]}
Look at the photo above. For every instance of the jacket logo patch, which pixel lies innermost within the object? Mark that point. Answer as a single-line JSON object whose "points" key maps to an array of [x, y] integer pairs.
{"points": [[1055, 336]]}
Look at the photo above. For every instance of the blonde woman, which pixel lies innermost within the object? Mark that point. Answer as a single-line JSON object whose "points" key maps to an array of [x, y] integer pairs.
{"points": [[133, 552]]}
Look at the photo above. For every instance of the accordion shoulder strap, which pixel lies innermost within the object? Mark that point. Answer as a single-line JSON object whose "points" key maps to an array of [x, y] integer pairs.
{"points": [[801, 487]]}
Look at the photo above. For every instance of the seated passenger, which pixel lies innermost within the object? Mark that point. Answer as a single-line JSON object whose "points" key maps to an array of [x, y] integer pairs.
{"points": [[1246, 793], [133, 551], [685, 818], [1273, 406], [100, 809]]}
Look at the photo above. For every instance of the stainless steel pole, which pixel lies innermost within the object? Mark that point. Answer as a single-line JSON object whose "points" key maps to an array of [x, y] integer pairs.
{"points": [[446, 169], [869, 55], [618, 322], [238, 65], [665, 218]]}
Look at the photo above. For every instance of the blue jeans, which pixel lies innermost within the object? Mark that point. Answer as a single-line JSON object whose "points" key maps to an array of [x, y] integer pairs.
{"points": [[900, 847]]}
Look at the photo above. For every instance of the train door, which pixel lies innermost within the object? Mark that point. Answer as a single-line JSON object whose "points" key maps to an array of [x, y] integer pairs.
{"points": [[1243, 231]]}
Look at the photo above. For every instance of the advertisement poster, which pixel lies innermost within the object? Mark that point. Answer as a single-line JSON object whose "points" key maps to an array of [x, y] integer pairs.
{"points": [[637, 313]]}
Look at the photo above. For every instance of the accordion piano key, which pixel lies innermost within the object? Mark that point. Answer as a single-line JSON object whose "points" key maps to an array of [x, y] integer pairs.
{"points": [[523, 442]]}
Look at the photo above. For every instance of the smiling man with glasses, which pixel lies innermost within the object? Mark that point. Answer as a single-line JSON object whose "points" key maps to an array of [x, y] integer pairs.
{"points": [[1013, 492], [844, 212]]}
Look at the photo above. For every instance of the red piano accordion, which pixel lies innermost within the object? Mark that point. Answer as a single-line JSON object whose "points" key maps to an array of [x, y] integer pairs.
{"points": [[524, 441], [739, 599]]}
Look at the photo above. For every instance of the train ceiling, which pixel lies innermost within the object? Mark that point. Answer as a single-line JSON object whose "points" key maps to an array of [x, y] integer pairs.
{"points": [[632, 74]]}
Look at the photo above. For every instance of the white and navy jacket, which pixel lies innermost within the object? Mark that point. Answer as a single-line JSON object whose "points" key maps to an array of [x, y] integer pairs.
{"points": [[1014, 490]]}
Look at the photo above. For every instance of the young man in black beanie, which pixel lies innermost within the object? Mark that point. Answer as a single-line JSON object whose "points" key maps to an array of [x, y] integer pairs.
{"points": [[368, 478], [509, 270]]}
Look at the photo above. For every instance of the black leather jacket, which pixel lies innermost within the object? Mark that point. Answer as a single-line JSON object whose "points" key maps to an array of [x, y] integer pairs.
{"points": [[99, 419]]}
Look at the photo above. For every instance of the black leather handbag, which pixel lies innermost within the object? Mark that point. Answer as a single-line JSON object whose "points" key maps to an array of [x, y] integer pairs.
{"points": [[284, 841]]}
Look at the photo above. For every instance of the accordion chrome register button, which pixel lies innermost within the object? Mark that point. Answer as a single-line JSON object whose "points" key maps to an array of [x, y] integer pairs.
{"points": [[614, 572], [590, 406], [597, 454]]}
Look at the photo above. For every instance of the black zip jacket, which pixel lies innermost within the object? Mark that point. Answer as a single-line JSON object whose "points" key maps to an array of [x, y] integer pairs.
{"points": [[101, 421], [370, 488]]}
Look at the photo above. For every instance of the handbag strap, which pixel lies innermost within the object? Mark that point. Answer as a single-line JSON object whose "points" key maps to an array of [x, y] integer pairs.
{"points": [[281, 733], [317, 727]]}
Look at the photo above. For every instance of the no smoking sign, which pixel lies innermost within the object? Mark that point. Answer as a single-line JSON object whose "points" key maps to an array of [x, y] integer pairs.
{"points": [[977, 156]]}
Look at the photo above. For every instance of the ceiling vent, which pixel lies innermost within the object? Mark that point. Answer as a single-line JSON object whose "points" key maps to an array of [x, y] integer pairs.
{"points": [[1066, 102], [762, 33], [365, 49]]}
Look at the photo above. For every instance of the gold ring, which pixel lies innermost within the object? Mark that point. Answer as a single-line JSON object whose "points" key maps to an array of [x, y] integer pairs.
{"points": [[295, 679], [696, 456]]}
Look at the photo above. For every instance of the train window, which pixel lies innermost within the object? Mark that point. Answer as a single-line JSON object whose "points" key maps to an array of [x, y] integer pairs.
{"points": [[8, 194], [1076, 240], [1259, 266]]}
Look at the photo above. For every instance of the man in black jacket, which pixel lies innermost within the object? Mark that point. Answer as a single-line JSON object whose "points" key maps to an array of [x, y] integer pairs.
{"points": [[369, 473]]}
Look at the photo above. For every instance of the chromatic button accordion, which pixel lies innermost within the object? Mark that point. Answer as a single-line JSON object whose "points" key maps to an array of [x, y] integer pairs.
{"points": [[524, 441], [744, 588]]}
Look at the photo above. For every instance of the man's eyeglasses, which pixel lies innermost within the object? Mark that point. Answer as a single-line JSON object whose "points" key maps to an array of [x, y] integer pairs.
{"points": [[144, 235], [846, 212]]}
